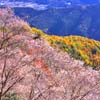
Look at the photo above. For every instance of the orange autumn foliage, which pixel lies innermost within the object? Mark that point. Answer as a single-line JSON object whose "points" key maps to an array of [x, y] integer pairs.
{"points": [[40, 63], [30, 51]]}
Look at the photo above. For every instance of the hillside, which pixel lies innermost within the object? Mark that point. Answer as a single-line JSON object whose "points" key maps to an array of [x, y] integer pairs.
{"points": [[51, 70], [80, 48], [57, 70], [81, 20]]}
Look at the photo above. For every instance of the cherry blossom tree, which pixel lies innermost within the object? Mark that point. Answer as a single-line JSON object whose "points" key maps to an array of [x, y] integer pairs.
{"points": [[12, 59]]}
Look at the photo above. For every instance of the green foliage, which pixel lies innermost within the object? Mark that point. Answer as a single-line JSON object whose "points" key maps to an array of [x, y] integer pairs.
{"points": [[11, 96]]}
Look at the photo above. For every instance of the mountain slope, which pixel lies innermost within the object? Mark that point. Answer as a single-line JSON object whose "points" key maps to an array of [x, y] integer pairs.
{"points": [[80, 21], [58, 72], [53, 72], [78, 47]]}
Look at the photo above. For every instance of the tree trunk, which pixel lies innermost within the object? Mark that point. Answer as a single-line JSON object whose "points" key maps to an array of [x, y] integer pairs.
{"points": [[0, 95]]}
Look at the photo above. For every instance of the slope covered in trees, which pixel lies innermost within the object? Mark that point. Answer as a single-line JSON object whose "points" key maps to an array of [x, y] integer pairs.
{"points": [[31, 68], [81, 48]]}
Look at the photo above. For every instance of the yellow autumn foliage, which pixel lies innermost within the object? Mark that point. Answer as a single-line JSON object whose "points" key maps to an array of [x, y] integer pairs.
{"points": [[78, 47]]}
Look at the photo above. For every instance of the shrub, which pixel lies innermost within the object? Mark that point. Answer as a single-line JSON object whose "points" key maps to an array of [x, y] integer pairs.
{"points": [[11, 96]]}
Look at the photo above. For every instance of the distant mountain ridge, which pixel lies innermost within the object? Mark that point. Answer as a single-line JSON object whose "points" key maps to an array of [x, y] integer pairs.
{"points": [[82, 21], [57, 3]]}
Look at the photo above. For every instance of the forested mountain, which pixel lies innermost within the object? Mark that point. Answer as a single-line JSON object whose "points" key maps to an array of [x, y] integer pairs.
{"points": [[79, 20]]}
